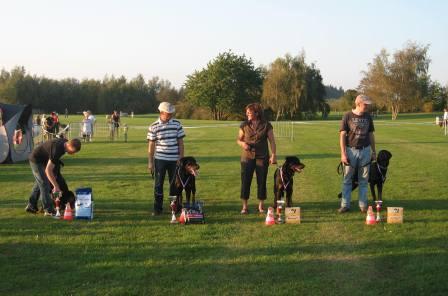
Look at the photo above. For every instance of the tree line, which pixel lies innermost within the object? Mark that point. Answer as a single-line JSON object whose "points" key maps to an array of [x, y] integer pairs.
{"points": [[99, 96], [288, 88], [219, 91]]}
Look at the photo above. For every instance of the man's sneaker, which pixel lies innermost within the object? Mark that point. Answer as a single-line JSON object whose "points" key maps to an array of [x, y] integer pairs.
{"points": [[31, 209], [343, 210], [50, 213]]}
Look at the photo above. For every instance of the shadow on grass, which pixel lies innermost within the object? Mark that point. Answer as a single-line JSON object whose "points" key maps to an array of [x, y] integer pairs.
{"points": [[193, 264], [130, 210]]}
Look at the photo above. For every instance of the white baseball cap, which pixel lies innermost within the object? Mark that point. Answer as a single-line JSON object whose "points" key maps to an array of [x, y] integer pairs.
{"points": [[167, 107]]}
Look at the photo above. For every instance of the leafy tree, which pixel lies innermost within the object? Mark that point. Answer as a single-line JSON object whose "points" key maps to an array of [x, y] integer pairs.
{"points": [[225, 86], [399, 84], [291, 87], [437, 95], [9, 82]]}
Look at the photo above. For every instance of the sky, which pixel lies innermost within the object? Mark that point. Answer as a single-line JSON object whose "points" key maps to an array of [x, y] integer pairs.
{"points": [[171, 39]]}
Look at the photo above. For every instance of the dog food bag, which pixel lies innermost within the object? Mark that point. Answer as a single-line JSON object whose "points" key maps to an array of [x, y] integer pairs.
{"points": [[84, 203]]}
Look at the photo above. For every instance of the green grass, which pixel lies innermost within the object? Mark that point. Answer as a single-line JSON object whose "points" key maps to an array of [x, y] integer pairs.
{"points": [[124, 251]]}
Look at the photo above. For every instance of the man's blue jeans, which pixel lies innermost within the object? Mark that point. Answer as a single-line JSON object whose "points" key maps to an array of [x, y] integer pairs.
{"points": [[41, 187], [160, 169], [359, 160]]}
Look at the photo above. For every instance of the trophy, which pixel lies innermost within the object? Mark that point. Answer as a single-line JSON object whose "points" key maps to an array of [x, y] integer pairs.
{"points": [[173, 206], [57, 202], [280, 204], [379, 203]]}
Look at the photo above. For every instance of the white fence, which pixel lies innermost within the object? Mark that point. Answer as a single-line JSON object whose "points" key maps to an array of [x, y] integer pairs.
{"points": [[101, 131], [283, 129]]}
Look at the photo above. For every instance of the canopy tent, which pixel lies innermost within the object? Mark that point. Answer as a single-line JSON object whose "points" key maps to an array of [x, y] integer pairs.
{"points": [[16, 132]]}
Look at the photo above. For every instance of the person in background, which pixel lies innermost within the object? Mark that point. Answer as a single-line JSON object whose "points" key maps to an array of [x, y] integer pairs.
{"points": [[253, 137], [55, 117], [92, 123], [165, 148], [86, 128], [48, 128], [115, 120]]}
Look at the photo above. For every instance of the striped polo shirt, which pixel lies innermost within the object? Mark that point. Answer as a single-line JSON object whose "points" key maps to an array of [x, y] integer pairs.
{"points": [[166, 135]]}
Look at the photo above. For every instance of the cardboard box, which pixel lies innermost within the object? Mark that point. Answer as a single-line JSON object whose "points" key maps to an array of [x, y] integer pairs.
{"points": [[394, 215], [292, 215]]}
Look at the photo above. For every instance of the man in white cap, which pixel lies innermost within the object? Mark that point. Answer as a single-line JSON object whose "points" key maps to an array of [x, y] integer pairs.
{"points": [[357, 143], [165, 148]]}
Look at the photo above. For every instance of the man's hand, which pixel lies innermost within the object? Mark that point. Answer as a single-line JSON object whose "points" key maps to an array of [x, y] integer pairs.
{"points": [[56, 189], [373, 157], [151, 167], [344, 159]]}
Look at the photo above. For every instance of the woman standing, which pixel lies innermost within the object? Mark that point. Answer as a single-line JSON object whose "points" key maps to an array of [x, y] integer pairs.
{"points": [[253, 138]]}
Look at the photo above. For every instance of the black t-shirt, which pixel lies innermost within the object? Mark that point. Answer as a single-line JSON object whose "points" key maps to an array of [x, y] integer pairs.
{"points": [[53, 149], [358, 128]]}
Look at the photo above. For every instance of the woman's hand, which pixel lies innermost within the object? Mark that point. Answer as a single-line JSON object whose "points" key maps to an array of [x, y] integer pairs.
{"points": [[273, 159]]}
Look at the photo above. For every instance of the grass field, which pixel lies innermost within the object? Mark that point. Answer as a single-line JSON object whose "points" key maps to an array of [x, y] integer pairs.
{"points": [[124, 251]]}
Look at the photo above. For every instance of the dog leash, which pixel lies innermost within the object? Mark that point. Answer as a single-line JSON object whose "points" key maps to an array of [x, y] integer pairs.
{"points": [[180, 178], [340, 167], [381, 173], [283, 181]]}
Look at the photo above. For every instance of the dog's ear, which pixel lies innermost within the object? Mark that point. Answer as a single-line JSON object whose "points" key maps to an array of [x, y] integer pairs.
{"points": [[389, 155]]}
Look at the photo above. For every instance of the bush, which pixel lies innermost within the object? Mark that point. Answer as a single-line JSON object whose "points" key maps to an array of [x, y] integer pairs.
{"points": [[428, 107], [185, 110]]}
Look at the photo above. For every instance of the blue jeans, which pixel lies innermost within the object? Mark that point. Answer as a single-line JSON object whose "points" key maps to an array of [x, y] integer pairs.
{"points": [[160, 169], [359, 160], [41, 187]]}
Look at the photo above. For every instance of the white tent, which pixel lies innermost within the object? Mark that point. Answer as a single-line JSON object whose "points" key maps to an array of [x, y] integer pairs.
{"points": [[15, 120]]}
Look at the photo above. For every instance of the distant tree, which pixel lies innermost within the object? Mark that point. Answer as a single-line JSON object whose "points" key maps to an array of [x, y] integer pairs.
{"points": [[400, 84], [9, 82], [225, 86], [291, 87], [437, 95], [284, 85], [332, 92], [315, 91]]}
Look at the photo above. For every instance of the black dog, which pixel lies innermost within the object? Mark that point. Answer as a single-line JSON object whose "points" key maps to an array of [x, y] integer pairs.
{"points": [[283, 179], [377, 176], [67, 196], [185, 179]]}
